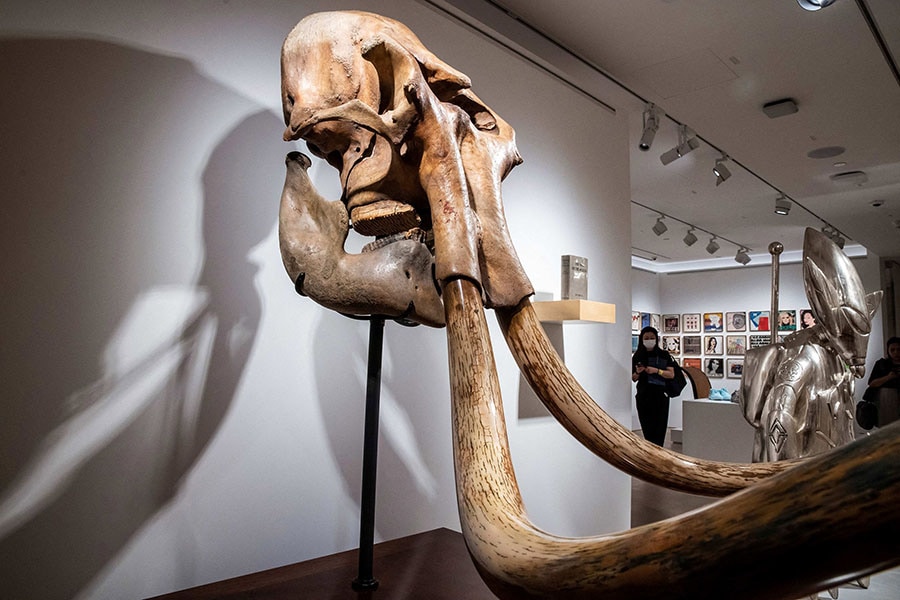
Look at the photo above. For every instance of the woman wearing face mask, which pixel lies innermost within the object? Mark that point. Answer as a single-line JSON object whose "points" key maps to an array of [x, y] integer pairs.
{"points": [[651, 366]]}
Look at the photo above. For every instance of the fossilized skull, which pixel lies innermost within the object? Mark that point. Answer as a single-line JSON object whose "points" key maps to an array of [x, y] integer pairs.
{"points": [[420, 157]]}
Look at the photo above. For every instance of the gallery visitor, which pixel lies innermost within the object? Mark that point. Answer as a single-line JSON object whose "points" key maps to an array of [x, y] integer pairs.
{"points": [[884, 383], [651, 366]]}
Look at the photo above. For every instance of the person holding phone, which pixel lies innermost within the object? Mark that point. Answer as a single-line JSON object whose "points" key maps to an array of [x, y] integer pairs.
{"points": [[651, 366]]}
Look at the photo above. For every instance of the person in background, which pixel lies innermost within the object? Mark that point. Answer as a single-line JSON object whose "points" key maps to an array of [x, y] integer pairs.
{"points": [[651, 366], [886, 376]]}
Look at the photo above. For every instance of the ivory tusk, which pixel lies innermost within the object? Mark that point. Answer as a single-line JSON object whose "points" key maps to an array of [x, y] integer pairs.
{"points": [[829, 519], [573, 407]]}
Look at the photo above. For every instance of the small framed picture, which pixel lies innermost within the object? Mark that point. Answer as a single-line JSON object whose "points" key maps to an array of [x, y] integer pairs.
{"points": [[692, 345], [736, 321], [787, 320], [635, 341], [758, 320], [714, 368], [734, 367], [759, 340], [807, 318], [694, 363], [656, 321], [712, 344], [635, 320], [672, 344], [671, 323], [713, 322], [735, 344], [690, 323]]}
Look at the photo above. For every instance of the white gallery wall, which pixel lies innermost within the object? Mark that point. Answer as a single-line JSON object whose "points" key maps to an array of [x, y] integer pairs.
{"points": [[172, 412]]}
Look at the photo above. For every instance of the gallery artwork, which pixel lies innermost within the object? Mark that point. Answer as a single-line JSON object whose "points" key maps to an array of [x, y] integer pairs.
{"points": [[635, 320], [807, 318], [691, 323], [734, 367], [672, 344], [758, 320], [420, 159], [713, 322], [787, 320], [736, 321], [671, 323], [713, 345], [692, 345], [695, 363], [715, 368], [787, 386], [735, 344]]}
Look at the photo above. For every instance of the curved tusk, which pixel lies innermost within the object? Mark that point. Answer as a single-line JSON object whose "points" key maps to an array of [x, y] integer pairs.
{"points": [[573, 407], [829, 519]]}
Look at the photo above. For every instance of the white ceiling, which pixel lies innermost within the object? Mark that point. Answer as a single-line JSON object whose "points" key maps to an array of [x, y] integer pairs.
{"points": [[712, 64]]}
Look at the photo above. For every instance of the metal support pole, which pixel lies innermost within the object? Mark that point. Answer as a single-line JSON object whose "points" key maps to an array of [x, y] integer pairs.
{"points": [[365, 581], [775, 249]]}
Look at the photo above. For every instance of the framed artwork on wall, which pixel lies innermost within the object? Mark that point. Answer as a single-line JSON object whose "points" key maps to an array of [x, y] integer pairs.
{"points": [[735, 344], [635, 320], [759, 340], [692, 345], [645, 320], [735, 368], [635, 340], [672, 344], [712, 344], [656, 321], [690, 323], [807, 318], [671, 323], [758, 320], [736, 321], [787, 320], [713, 322], [714, 368], [695, 363]]}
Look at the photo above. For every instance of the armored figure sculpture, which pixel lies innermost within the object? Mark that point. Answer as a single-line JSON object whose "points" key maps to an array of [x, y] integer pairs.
{"points": [[421, 160], [798, 393]]}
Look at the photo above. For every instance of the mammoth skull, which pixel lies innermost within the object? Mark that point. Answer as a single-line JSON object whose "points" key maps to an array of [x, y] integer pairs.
{"points": [[421, 159]]}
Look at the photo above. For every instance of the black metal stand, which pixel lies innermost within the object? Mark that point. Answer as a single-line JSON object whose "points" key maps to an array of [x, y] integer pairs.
{"points": [[365, 581]]}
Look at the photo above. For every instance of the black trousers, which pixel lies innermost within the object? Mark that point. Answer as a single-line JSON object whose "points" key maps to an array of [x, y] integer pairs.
{"points": [[653, 413]]}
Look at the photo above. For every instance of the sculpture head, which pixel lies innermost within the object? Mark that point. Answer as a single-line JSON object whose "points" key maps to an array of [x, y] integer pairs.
{"points": [[420, 158], [838, 299]]}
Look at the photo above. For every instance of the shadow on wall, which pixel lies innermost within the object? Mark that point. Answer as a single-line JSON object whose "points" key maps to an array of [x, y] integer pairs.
{"points": [[129, 310]]}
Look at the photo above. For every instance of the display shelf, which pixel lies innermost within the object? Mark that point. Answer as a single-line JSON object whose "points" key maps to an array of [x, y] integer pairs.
{"points": [[575, 311]]}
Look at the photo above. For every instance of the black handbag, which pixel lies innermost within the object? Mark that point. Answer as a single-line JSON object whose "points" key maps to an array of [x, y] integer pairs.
{"points": [[866, 414], [676, 384]]}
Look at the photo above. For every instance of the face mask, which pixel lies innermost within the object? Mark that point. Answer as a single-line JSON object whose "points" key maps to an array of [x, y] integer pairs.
{"points": [[649, 344]]}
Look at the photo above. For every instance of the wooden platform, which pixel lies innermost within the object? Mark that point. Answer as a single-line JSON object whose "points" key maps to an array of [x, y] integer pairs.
{"points": [[433, 565]]}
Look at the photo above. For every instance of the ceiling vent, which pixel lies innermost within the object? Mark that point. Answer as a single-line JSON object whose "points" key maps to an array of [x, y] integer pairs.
{"points": [[780, 108], [850, 178]]}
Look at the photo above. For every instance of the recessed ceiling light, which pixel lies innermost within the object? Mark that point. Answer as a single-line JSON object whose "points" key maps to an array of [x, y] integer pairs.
{"points": [[826, 152]]}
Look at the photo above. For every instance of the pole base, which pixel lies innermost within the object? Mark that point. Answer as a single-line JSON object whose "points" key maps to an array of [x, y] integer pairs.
{"points": [[364, 585]]}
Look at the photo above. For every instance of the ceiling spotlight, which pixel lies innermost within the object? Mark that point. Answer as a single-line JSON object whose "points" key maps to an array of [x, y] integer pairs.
{"points": [[687, 142], [742, 256], [782, 205], [721, 171], [814, 4], [660, 227], [652, 115], [690, 239], [712, 246]]}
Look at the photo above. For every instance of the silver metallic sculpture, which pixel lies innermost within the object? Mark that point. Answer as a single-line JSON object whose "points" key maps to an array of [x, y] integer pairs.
{"points": [[421, 159], [798, 393]]}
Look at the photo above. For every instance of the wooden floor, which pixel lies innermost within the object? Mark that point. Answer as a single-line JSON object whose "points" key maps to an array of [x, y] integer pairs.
{"points": [[651, 503]]}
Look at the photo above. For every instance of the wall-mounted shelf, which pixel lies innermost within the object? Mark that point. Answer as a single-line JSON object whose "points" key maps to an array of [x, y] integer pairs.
{"points": [[579, 311]]}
